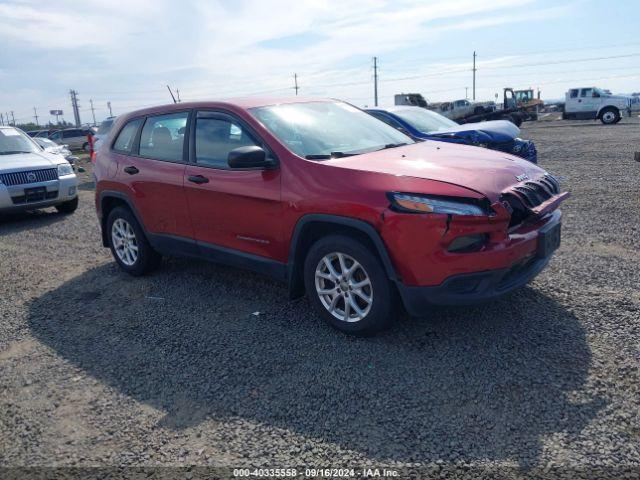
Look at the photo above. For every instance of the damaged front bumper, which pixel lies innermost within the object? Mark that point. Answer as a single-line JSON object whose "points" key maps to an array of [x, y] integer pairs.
{"points": [[481, 286]]}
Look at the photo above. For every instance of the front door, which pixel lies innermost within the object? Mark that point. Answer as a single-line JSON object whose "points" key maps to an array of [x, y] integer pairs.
{"points": [[235, 209]]}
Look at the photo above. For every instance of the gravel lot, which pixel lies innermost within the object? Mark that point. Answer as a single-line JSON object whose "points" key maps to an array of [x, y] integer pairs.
{"points": [[98, 368]]}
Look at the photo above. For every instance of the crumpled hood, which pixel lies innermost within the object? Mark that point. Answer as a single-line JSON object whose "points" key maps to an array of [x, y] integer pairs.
{"points": [[495, 131], [28, 161], [487, 172]]}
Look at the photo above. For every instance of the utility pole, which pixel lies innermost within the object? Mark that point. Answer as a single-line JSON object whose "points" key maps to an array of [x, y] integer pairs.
{"points": [[76, 108], [13, 119], [295, 83], [474, 75], [178, 95], [375, 81], [93, 111], [109, 107], [1, 119], [466, 92], [35, 115]]}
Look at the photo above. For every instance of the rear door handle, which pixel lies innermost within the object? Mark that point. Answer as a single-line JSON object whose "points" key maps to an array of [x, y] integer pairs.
{"points": [[198, 179], [131, 170]]}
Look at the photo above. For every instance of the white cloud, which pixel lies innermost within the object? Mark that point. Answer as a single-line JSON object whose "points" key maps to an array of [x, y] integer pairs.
{"points": [[127, 52]]}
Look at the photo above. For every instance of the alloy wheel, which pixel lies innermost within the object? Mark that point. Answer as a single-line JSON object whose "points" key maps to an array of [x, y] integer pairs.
{"points": [[124, 241], [344, 287]]}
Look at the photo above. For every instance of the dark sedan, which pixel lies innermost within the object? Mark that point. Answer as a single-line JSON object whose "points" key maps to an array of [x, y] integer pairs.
{"points": [[424, 124]]}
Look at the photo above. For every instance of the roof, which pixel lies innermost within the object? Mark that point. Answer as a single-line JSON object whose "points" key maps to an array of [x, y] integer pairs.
{"points": [[230, 103]]}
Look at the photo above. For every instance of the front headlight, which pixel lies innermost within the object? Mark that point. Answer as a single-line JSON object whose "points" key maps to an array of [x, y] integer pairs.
{"points": [[406, 202], [65, 169]]}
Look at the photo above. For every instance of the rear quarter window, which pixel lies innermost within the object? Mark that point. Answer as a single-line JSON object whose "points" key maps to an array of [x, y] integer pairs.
{"points": [[127, 136]]}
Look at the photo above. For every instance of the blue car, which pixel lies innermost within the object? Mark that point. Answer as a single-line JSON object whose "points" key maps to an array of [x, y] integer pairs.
{"points": [[424, 124]]}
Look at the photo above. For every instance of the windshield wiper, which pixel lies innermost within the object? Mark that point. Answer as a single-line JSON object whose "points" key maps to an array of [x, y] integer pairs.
{"points": [[326, 156], [13, 152], [394, 145]]}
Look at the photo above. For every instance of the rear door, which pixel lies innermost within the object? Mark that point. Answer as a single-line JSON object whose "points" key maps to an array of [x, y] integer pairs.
{"points": [[153, 170], [572, 103], [232, 208]]}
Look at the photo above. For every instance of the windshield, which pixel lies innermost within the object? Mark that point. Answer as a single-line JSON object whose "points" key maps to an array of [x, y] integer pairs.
{"points": [[105, 126], [13, 141], [321, 130], [425, 120]]}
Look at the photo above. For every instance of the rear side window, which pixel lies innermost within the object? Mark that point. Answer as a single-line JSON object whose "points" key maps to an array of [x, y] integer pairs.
{"points": [[127, 135], [215, 138], [574, 93], [162, 137]]}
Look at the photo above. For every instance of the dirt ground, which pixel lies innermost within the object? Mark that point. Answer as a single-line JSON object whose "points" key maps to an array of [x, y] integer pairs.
{"points": [[100, 369]]}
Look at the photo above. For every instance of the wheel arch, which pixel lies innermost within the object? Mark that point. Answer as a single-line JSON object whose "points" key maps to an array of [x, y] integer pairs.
{"points": [[607, 107], [313, 226], [110, 199]]}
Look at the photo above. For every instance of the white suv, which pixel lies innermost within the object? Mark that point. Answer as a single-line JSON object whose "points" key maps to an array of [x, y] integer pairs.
{"points": [[31, 178]]}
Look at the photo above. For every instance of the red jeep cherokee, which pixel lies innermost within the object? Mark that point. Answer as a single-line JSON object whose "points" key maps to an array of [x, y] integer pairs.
{"points": [[327, 198]]}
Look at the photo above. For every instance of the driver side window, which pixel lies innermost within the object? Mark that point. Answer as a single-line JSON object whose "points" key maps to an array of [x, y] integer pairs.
{"points": [[215, 137]]}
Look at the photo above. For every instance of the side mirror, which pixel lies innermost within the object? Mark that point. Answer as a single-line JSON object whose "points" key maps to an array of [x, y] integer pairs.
{"points": [[249, 157]]}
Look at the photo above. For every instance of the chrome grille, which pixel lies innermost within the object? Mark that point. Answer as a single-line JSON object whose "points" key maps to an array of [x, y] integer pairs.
{"points": [[30, 176]]}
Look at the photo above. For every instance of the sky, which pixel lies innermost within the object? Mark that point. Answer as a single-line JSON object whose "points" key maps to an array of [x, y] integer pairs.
{"points": [[127, 53]]}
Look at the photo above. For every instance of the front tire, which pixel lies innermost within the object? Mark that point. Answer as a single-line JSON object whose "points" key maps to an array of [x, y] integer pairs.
{"points": [[348, 286], [128, 243], [68, 207], [610, 115]]}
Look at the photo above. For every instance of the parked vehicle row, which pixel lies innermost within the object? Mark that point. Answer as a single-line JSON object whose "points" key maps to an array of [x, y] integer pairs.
{"points": [[424, 124], [329, 199], [33, 177], [73, 138]]}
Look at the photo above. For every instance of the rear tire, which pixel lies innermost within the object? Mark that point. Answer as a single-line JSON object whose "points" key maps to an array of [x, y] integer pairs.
{"points": [[128, 243], [610, 115], [68, 207], [359, 298]]}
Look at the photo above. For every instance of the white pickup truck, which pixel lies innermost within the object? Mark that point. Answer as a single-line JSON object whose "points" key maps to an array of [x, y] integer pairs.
{"points": [[456, 110], [595, 103], [459, 109]]}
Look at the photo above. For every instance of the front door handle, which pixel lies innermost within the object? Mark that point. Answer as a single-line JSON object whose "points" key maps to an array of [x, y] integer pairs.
{"points": [[131, 170], [198, 179]]}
